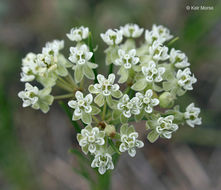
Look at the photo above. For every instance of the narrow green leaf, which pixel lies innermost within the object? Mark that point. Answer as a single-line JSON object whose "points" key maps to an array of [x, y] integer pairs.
{"points": [[79, 154], [113, 146], [111, 68], [90, 44], [69, 113]]}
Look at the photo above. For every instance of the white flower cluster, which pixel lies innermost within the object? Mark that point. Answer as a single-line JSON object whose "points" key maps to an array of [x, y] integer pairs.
{"points": [[105, 89], [129, 106], [37, 99], [45, 67], [112, 37], [82, 107], [131, 30], [158, 33], [129, 140], [80, 55], [78, 34], [153, 75], [165, 126]]}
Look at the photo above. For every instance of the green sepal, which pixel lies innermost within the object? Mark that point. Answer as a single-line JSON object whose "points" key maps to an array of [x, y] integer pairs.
{"points": [[180, 92], [95, 110], [99, 100], [140, 85], [167, 86], [130, 129], [88, 72], [61, 70], [86, 118], [152, 136], [116, 94], [91, 89], [157, 88], [92, 65], [75, 118], [123, 128], [123, 119], [139, 116], [110, 101], [116, 114], [78, 74], [123, 75]]}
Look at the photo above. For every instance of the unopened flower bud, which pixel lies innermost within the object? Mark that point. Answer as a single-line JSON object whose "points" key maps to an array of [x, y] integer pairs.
{"points": [[110, 130], [166, 100]]}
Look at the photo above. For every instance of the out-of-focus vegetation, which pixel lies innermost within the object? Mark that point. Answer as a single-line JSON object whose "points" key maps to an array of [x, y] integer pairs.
{"points": [[29, 140]]}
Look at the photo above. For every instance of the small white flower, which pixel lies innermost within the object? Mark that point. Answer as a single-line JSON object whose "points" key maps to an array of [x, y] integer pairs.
{"points": [[147, 100], [30, 95], [129, 106], [159, 33], [82, 106], [90, 139], [47, 61], [46, 64], [127, 59], [53, 48], [78, 34], [29, 67], [105, 89], [80, 55], [102, 161], [158, 51], [129, 141], [152, 73], [37, 99], [112, 37], [178, 58], [165, 126], [106, 86], [132, 30], [192, 115], [185, 79]]}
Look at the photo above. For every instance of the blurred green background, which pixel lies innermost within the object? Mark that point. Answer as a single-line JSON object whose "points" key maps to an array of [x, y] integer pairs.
{"points": [[34, 147]]}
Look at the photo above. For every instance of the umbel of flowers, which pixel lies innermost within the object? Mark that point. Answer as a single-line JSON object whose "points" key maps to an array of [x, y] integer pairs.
{"points": [[149, 78]]}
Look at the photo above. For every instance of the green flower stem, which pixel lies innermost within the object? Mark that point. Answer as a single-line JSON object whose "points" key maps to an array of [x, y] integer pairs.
{"points": [[90, 44], [126, 91], [173, 41], [104, 110], [61, 85], [95, 119], [65, 82], [102, 182], [111, 67], [131, 93], [71, 80], [69, 114], [64, 96], [117, 136], [82, 84], [109, 117], [113, 146]]}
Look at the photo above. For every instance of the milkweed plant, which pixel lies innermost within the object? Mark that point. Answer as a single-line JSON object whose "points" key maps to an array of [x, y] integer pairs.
{"points": [[150, 76]]}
